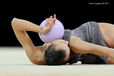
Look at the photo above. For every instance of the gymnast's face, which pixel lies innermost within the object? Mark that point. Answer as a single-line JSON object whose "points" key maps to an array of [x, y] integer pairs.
{"points": [[62, 44]]}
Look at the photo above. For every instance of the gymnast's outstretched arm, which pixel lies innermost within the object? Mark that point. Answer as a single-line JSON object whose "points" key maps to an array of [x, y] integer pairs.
{"points": [[21, 26], [80, 46]]}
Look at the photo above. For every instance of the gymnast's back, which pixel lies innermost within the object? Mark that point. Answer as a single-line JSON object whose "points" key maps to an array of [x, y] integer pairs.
{"points": [[88, 32]]}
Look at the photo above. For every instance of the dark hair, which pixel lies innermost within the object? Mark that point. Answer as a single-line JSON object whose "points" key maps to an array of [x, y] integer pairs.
{"points": [[54, 57]]}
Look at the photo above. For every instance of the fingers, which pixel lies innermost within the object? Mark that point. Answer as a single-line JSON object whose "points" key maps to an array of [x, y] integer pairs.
{"points": [[51, 17], [48, 22], [54, 18], [51, 20]]}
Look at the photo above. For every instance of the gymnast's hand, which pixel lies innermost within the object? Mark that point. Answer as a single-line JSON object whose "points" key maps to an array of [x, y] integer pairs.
{"points": [[50, 23]]}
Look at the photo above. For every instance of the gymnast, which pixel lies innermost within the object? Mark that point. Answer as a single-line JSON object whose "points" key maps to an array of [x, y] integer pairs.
{"points": [[90, 43]]}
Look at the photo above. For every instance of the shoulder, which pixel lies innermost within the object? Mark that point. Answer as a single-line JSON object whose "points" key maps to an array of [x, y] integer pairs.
{"points": [[74, 40], [67, 34], [37, 57]]}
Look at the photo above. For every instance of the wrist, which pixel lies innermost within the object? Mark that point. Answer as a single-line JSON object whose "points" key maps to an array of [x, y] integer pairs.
{"points": [[45, 30]]}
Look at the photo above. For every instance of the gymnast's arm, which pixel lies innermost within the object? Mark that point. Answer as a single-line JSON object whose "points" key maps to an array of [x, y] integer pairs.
{"points": [[80, 46], [20, 27]]}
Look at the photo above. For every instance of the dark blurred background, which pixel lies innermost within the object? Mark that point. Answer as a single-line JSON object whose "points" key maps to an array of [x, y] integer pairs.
{"points": [[71, 13]]}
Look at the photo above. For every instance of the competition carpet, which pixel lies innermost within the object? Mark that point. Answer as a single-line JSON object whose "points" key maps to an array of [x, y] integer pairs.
{"points": [[14, 62]]}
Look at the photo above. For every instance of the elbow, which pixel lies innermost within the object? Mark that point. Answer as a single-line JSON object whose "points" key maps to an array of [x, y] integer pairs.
{"points": [[13, 22]]}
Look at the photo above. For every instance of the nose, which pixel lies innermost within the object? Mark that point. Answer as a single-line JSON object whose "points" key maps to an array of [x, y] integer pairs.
{"points": [[66, 42], [48, 44]]}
